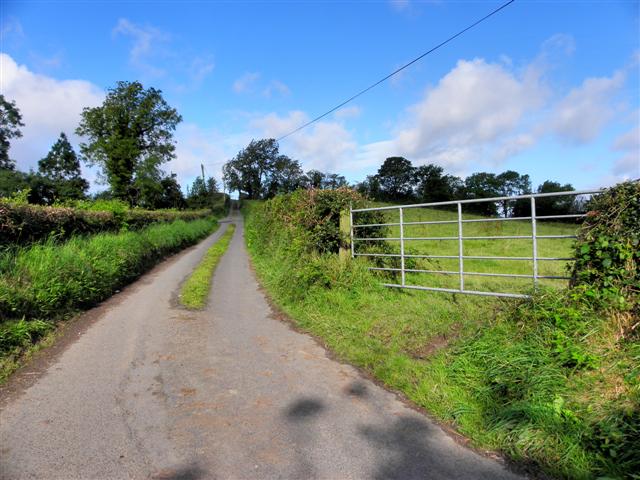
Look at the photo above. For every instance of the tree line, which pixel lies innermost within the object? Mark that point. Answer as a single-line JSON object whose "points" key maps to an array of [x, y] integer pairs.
{"points": [[260, 171], [128, 138], [397, 180]]}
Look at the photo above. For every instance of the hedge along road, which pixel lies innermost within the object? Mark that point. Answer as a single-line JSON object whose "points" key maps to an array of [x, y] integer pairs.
{"points": [[151, 390]]}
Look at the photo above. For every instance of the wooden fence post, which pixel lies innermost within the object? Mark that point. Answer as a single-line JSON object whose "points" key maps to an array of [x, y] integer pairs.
{"points": [[345, 235]]}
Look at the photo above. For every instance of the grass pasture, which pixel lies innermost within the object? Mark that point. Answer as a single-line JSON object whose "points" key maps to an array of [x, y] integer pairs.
{"points": [[472, 227]]}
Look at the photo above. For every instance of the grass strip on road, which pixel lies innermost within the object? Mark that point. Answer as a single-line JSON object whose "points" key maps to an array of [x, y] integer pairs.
{"points": [[195, 291]]}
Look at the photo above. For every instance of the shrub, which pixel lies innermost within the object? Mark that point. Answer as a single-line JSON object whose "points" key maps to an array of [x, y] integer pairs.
{"points": [[608, 246], [310, 219], [24, 223]]}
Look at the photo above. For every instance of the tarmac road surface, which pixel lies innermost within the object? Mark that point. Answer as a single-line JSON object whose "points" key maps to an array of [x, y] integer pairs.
{"points": [[148, 390]]}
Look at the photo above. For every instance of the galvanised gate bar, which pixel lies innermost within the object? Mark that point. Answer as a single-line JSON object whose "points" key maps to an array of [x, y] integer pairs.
{"points": [[535, 259]]}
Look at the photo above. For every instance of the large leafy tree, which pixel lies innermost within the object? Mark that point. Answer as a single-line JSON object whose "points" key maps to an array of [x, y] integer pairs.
{"points": [[396, 177], [286, 176], [506, 184], [61, 168], [482, 185], [259, 171], [129, 136], [432, 185], [249, 170], [10, 123]]}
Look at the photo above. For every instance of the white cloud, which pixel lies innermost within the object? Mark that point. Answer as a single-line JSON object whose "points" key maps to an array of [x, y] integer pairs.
{"points": [[146, 41], [559, 44], [348, 112], [250, 83], [628, 165], [475, 106], [48, 106], [582, 114], [200, 68], [246, 83], [11, 26], [195, 146], [326, 146], [276, 87]]}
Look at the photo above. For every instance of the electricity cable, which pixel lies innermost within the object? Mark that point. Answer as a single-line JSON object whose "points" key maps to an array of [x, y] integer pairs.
{"points": [[442, 44]]}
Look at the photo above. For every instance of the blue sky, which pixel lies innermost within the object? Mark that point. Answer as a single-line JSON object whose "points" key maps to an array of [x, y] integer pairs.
{"points": [[547, 88]]}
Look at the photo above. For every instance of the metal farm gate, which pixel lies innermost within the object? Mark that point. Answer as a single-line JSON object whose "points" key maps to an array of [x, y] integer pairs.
{"points": [[402, 240]]}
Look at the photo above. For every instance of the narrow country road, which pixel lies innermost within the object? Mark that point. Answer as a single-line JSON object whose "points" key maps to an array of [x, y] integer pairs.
{"points": [[152, 391]]}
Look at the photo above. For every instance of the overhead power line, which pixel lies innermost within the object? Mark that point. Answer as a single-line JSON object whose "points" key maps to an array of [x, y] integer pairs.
{"points": [[442, 44]]}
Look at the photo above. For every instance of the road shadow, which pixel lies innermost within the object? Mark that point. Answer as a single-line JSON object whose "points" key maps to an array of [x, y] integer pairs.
{"points": [[303, 409], [300, 415], [186, 472], [358, 389], [410, 448]]}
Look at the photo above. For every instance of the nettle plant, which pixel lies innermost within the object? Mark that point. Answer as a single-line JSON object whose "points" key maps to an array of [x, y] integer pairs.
{"points": [[608, 247]]}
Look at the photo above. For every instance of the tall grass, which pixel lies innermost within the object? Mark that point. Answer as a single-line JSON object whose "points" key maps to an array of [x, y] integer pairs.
{"points": [[50, 279]]}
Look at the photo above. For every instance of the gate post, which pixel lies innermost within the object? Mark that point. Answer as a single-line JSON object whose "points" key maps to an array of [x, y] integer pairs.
{"points": [[346, 235]]}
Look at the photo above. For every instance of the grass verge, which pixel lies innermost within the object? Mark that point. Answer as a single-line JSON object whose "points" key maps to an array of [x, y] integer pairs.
{"points": [[552, 382], [195, 290], [45, 283]]}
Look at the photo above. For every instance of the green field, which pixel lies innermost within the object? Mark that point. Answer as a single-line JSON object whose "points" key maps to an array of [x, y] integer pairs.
{"points": [[497, 247]]}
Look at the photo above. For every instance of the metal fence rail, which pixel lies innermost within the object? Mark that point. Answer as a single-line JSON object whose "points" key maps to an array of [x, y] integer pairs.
{"points": [[460, 239]]}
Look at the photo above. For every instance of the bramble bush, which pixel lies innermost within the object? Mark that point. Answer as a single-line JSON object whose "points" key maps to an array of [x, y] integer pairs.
{"points": [[608, 246]]}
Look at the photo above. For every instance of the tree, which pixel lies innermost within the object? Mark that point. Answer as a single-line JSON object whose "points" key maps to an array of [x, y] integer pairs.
{"points": [[396, 177], [249, 169], [62, 168], [285, 176], [171, 193], [561, 205], [201, 194], [509, 184], [333, 181], [482, 185], [315, 178], [129, 136], [323, 181], [10, 123], [259, 171], [433, 186], [370, 187], [12, 181]]}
